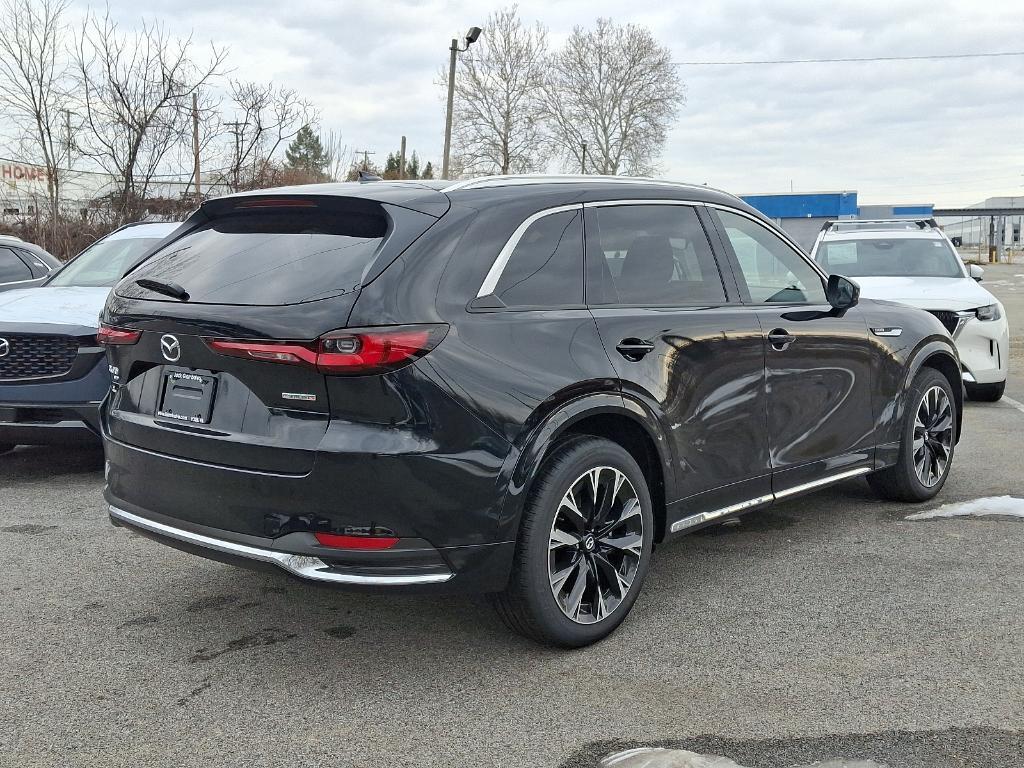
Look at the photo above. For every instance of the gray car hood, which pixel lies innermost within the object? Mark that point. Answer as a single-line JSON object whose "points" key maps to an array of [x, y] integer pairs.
{"points": [[78, 307]]}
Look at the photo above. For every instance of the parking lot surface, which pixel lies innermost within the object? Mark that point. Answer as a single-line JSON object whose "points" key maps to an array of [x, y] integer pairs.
{"points": [[827, 627]]}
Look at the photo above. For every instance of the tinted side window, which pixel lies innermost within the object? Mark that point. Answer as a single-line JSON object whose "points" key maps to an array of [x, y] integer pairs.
{"points": [[773, 271], [650, 255], [12, 268], [546, 265]]}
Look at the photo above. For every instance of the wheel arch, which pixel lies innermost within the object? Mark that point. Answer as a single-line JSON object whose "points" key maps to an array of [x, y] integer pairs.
{"points": [[942, 358], [614, 418]]}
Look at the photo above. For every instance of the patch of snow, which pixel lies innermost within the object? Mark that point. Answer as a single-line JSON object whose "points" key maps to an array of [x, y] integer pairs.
{"points": [[989, 505], [656, 757]]}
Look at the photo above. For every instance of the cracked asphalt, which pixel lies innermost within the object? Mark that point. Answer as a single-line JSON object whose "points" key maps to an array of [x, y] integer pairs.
{"points": [[828, 627]]}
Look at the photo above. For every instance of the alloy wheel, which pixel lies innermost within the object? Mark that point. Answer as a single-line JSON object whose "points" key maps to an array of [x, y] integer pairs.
{"points": [[596, 545], [933, 436]]}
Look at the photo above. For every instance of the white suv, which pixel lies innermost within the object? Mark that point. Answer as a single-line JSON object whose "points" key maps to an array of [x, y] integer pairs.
{"points": [[913, 262]]}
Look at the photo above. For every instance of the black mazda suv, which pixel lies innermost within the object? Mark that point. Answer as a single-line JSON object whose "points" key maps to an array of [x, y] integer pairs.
{"points": [[507, 385]]}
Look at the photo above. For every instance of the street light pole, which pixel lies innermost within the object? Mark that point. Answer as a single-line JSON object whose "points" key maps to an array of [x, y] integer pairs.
{"points": [[471, 37], [451, 103]]}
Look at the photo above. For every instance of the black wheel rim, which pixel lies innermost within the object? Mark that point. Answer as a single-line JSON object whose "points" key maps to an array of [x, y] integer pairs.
{"points": [[933, 436], [596, 545]]}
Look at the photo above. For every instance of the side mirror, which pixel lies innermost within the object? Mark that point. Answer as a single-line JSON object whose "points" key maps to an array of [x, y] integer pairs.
{"points": [[842, 292], [975, 271]]}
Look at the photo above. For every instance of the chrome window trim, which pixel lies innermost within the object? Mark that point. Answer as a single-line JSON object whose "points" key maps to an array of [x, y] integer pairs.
{"points": [[30, 280], [501, 260], [703, 517], [304, 566], [635, 201], [775, 231]]}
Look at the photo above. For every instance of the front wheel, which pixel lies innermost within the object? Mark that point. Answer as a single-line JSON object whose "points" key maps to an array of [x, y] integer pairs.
{"points": [[926, 445], [584, 546], [986, 393]]}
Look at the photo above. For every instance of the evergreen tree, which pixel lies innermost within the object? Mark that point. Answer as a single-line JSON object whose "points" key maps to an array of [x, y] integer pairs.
{"points": [[428, 171], [391, 166], [412, 168], [306, 153]]}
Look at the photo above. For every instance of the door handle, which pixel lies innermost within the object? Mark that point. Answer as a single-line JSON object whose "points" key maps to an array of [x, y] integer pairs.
{"points": [[634, 349], [780, 339]]}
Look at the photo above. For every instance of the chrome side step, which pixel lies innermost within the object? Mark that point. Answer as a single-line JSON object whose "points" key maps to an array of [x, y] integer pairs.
{"points": [[703, 517], [304, 566]]}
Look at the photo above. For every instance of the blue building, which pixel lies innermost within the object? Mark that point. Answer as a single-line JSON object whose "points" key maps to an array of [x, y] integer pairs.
{"points": [[802, 215]]}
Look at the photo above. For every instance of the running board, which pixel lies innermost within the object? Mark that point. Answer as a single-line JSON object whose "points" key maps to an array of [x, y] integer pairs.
{"points": [[703, 517]]}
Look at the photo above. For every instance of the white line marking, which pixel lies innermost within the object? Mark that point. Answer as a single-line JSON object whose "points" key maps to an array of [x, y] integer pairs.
{"points": [[990, 505], [1013, 403]]}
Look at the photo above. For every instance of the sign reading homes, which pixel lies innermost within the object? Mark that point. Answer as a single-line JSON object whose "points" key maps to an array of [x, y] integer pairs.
{"points": [[15, 172]]}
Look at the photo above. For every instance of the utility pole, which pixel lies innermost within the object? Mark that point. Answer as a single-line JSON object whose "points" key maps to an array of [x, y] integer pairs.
{"points": [[401, 160], [471, 37], [195, 144], [583, 161], [366, 157]]}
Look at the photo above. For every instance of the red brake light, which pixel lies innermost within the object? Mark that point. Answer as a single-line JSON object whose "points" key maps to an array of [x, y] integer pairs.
{"points": [[109, 335], [354, 352], [340, 541]]}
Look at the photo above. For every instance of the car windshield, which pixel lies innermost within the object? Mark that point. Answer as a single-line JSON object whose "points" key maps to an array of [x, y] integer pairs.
{"points": [[103, 263], [894, 257]]}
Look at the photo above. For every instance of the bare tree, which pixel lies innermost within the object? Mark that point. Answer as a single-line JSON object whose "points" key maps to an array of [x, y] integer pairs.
{"points": [[342, 158], [34, 90], [136, 93], [615, 88], [267, 116], [499, 84]]}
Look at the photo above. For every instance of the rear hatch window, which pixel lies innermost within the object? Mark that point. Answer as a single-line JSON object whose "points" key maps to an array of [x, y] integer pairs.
{"points": [[270, 252]]}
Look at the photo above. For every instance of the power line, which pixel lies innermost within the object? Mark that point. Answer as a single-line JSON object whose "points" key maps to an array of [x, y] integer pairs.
{"points": [[931, 57]]}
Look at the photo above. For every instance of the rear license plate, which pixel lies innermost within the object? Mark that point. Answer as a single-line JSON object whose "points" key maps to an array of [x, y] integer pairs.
{"points": [[187, 397]]}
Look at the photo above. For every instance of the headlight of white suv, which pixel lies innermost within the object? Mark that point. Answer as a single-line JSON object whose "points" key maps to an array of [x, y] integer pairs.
{"points": [[991, 312]]}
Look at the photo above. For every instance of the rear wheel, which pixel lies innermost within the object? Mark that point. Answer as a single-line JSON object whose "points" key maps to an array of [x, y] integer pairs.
{"points": [[927, 443], [584, 546], [986, 393]]}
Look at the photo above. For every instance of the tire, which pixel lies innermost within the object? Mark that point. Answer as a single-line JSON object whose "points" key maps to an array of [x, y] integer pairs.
{"points": [[986, 393], [545, 600], [920, 472]]}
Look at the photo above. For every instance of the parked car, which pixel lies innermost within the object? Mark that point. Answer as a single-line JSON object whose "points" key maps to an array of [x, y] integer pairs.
{"points": [[23, 264], [53, 373], [459, 386], [913, 262]]}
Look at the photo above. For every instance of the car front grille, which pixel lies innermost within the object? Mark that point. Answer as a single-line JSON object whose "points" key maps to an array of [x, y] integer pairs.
{"points": [[26, 356], [948, 318]]}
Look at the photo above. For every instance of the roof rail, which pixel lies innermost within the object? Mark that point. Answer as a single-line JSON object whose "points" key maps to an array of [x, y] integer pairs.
{"points": [[539, 178], [878, 225]]}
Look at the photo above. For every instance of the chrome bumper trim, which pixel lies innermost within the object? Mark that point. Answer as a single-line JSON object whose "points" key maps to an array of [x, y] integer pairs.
{"points": [[968, 377], [703, 517], [304, 566]]}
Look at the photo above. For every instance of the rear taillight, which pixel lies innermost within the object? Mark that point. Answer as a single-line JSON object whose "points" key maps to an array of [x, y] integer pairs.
{"points": [[111, 336], [350, 352], [340, 541]]}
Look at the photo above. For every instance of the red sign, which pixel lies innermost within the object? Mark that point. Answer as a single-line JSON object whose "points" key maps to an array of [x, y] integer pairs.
{"points": [[19, 172]]}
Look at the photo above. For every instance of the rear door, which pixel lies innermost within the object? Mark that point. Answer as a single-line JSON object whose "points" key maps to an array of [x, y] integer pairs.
{"points": [[818, 360], [683, 345]]}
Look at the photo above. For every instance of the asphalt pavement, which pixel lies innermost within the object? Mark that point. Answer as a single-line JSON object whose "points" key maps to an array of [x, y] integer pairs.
{"points": [[827, 627]]}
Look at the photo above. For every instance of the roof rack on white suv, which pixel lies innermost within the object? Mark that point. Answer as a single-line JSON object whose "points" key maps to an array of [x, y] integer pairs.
{"points": [[881, 225]]}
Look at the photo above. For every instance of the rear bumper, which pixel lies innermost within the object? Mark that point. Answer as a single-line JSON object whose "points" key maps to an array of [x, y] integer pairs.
{"points": [[307, 567]]}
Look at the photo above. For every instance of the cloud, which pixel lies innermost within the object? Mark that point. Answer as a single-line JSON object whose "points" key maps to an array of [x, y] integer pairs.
{"points": [[932, 131]]}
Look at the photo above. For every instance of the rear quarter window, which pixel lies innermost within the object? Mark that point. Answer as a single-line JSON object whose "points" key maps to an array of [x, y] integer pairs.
{"points": [[271, 256]]}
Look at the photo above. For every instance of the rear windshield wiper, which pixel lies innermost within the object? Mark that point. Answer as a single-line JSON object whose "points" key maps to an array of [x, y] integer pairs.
{"points": [[173, 290]]}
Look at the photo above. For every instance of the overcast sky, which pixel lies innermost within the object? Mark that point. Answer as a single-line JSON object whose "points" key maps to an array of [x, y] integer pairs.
{"points": [[948, 132]]}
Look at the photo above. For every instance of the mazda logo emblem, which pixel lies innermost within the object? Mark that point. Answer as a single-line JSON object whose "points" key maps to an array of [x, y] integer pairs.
{"points": [[5, 347], [170, 347]]}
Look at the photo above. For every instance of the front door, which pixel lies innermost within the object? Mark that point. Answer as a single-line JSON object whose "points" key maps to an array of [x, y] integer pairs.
{"points": [[684, 347], [817, 360]]}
